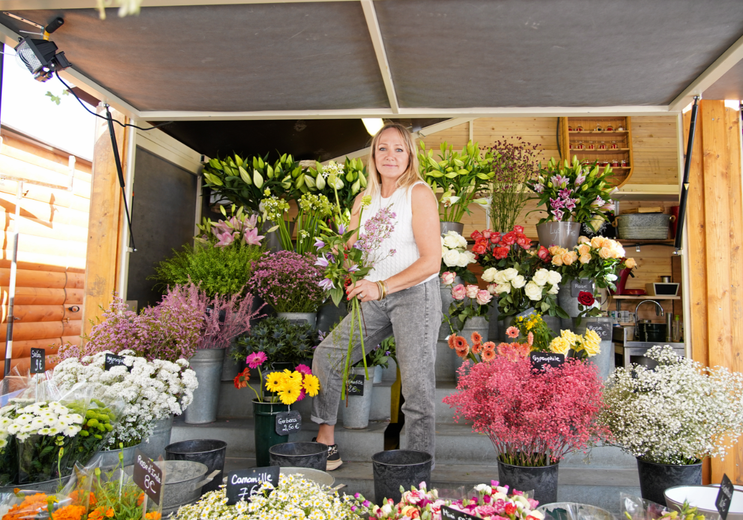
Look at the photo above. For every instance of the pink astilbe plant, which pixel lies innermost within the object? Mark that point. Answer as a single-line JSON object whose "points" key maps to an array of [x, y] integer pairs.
{"points": [[533, 418]]}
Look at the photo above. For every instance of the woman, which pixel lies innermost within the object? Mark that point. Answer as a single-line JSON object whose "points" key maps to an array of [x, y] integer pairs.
{"points": [[399, 296]]}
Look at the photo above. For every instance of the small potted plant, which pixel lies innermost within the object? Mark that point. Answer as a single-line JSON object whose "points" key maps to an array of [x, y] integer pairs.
{"points": [[285, 344], [571, 195], [290, 283], [672, 417], [463, 177]]}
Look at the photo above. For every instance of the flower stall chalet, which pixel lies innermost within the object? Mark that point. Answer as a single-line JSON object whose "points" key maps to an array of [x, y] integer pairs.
{"points": [[583, 259]]}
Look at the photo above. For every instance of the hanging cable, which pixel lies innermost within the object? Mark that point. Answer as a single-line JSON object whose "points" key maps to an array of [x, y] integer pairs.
{"points": [[685, 183], [120, 172]]}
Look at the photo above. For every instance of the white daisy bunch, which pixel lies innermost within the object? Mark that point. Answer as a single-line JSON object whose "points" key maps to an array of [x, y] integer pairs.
{"points": [[48, 419], [680, 412], [152, 390], [294, 498]]}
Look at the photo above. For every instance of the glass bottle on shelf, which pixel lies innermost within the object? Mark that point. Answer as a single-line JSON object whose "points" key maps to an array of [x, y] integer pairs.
{"points": [[614, 145], [599, 128]]}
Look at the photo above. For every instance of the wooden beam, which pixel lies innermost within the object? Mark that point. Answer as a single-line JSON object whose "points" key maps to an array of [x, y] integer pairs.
{"points": [[20, 5], [106, 219], [372, 23], [715, 239]]}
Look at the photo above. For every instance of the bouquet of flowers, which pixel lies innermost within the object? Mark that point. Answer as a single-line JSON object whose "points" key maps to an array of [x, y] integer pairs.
{"points": [[237, 230], [339, 182], [414, 503], [500, 250], [598, 259], [577, 192], [346, 265], [286, 386], [288, 281], [532, 329], [469, 301], [293, 497], [486, 352], [151, 390], [519, 288], [493, 502], [575, 345], [462, 176], [555, 413], [455, 258], [679, 412]]}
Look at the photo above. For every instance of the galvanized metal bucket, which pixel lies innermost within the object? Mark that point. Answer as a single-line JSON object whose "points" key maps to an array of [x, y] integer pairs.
{"points": [[207, 363]]}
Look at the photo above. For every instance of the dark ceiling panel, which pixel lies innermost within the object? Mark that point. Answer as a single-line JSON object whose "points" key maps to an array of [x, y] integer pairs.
{"points": [[226, 58], [516, 53]]}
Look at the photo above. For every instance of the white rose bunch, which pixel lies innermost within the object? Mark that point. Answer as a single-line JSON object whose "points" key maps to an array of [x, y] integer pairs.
{"points": [[152, 390], [454, 251]]}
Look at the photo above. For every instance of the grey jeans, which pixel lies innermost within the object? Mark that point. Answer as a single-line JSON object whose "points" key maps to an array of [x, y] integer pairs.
{"points": [[413, 315]]}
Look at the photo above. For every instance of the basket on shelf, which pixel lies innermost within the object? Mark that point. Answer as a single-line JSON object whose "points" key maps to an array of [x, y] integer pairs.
{"points": [[643, 226]]}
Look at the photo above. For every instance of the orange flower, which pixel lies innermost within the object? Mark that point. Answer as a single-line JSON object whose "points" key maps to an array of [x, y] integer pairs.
{"points": [[31, 506], [71, 512], [489, 346], [77, 497], [476, 337], [96, 514], [110, 513], [463, 351], [153, 516], [460, 343], [241, 380], [477, 348], [488, 355], [140, 499]]}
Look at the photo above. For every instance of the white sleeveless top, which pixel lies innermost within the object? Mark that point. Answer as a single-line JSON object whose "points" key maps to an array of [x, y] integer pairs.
{"points": [[402, 239]]}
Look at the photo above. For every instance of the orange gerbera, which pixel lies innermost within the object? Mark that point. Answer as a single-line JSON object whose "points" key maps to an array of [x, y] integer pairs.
{"points": [[463, 351], [476, 337], [457, 342], [477, 348], [241, 380], [488, 355]]}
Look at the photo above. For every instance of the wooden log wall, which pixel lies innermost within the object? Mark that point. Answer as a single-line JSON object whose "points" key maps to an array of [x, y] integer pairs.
{"points": [[51, 247], [714, 225]]}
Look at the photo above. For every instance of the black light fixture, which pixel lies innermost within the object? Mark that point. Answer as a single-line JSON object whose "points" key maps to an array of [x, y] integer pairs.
{"points": [[41, 57]]}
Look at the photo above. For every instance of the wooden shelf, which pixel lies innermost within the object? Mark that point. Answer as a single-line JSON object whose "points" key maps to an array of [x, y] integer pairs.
{"points": [[643, 297], [660, 241], [594, 132], [599, 150]]}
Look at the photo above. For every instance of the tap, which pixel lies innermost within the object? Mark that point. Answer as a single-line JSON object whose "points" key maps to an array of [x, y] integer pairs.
{"points": [[658, 311]]}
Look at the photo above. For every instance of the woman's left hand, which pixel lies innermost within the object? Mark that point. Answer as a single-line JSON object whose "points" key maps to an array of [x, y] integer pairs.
{"points": [[364, 291]]}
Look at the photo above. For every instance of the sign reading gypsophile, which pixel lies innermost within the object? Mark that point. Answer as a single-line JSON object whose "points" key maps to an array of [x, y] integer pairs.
{"points": [[539, 360]]}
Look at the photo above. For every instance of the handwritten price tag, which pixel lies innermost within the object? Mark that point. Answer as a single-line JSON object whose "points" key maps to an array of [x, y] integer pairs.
{"points": [[355, 384], [243, 483], [724, 497], [603, 329], [112, 360], [288, 422], [539, 360], [148, 476], [38, 360], [448, 513]]}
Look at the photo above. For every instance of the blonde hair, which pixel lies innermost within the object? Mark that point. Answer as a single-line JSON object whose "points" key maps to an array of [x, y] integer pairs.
{"points": [[410, 176]]}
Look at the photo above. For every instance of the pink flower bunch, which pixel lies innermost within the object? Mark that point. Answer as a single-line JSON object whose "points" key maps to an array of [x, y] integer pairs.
{"points": [[533, 418], [289, 281], [415, 503], [469, 301], [492, 502], [239, 229]]}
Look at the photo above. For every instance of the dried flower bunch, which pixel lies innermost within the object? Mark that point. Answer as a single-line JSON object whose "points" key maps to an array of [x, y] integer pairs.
{"points": [[555, 413], [679, 412]]}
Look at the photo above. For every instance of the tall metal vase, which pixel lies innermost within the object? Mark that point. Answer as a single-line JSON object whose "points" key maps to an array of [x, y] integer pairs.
{"points": [[604, 360], [264, 430], [207, 363], [563, 234]]}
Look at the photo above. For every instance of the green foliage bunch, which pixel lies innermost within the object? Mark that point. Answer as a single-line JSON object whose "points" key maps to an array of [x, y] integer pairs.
{"points": [[280, 339]]}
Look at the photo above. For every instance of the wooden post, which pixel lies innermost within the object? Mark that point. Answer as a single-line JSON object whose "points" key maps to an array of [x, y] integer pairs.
{"points": [[715, 227], [106, 219]]}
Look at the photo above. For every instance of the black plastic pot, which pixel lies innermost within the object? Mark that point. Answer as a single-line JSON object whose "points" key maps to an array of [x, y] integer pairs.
{"points": [[299, 454], [207, 451], [395, 468], [656, 478], [541, 479]]}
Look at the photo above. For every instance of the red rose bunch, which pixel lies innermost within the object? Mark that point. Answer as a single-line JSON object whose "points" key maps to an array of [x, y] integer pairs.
{"points": [[495, 249]]}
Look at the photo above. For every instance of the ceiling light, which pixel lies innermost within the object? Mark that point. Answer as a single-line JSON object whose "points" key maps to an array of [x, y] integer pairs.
{"points": [[373, 125], [41, 57]]}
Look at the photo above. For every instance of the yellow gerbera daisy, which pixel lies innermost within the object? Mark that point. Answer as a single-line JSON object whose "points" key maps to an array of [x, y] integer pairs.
{"points": [[311, 385], [290, 393], [275, 381]]}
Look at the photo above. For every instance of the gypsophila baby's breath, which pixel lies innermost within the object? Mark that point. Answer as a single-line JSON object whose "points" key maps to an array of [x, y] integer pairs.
{"points": [[680, 412]]}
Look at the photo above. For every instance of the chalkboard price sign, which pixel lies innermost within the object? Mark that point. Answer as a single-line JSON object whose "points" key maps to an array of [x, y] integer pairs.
{"points": [[355, 384], [148, 476], [242, 483], [581, 285], [724, 497], [539, 360], [38, 360], [288, 422], [603, 329], [112, 360], [448, 513]]}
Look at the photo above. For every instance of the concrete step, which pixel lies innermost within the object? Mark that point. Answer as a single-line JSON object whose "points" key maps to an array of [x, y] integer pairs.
{"points": [[238, 434]]}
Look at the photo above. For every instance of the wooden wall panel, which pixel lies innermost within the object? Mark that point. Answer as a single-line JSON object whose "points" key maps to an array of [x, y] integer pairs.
{"points": [[655, 150], [51, 247]]}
